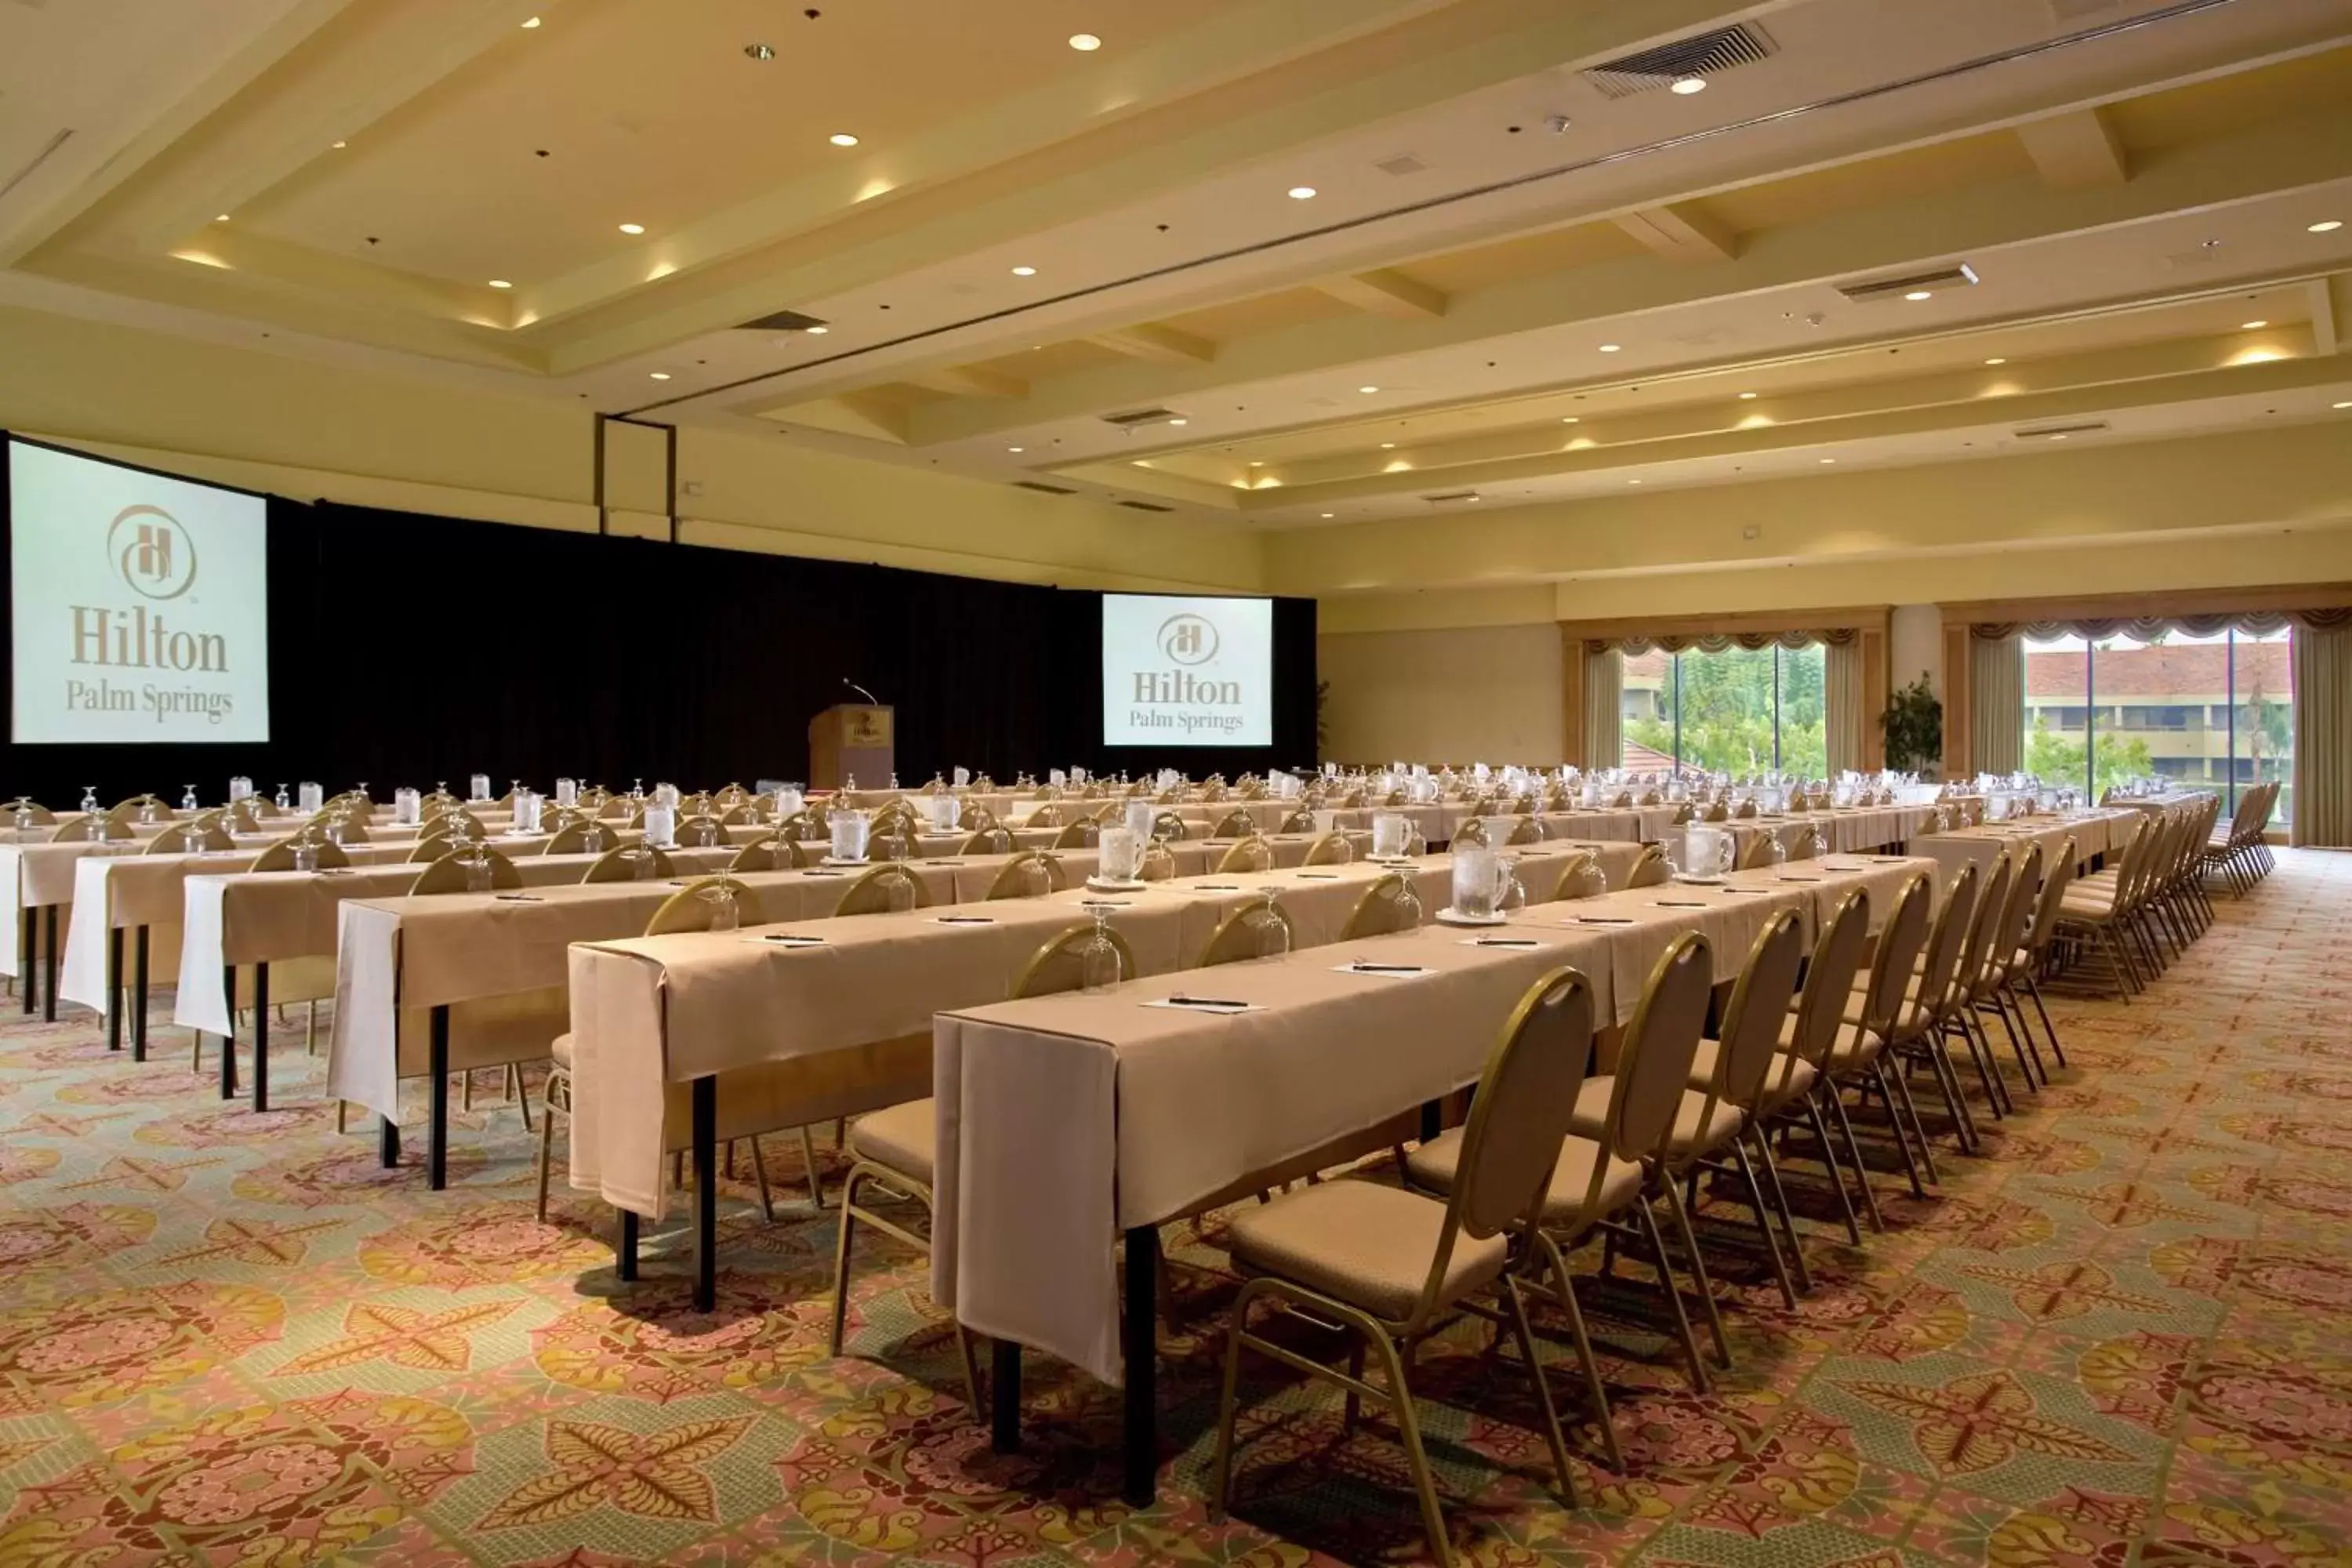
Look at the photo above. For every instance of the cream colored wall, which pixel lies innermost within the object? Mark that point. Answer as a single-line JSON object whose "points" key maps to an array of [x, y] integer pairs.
{"points": [[303, 428], [1469, 694], [1915, 645]]}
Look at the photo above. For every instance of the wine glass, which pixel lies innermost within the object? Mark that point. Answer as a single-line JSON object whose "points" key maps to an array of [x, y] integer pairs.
{"points": [[725, 913], [1098, 965], [1272, 930], [899, 887]]}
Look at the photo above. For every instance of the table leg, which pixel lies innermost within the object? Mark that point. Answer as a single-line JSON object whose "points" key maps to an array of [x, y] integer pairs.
{"points": [[25, 962], [625, 1251], [387, 1142], [1139, 1347], [1433, 1120], [50, 964], [706, 1194], [139, 995], [114, 988], [261, 1037], [437, 1132], [1004, 1396], [228, 1041]]}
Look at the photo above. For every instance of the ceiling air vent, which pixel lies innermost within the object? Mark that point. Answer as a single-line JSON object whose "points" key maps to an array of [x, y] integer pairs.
{"points": [[1452, 498], [2049, 432], [1962, 276], [1701, 55], [1043, 489], [1145, 506], [1402, 163], [1137, 418], [782, 321]]}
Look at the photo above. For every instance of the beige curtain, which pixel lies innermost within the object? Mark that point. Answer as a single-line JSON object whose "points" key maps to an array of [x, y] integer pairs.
{"points": [[1997, 704], [1604, 709], [2323, 735], [1843, 718]]}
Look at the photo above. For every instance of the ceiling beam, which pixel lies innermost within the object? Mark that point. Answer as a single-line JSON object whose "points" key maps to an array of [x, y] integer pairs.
{"points": [[1682, 231], [2282, 156], [1384, 292], [862, 414], [2331, 314], [1151, 340], [2073, 152], [968, 380]]}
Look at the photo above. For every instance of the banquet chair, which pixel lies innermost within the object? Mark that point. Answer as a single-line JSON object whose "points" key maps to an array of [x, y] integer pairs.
{"points": [[1394, 1265], [1993, 988], [995, 841], [1390, 905], [1685, 814], [582, 837], [129, 808], [2034, 951], [1650, 868], [190, 839], [93, 829], [1084, 834], [897, 1149], [2093, 910], [1299, 821], [1030, 874], [1978, 954], [1581, 878], [767, 853], [695, 805], [1722, 1105], [1048, 815], [1760, 853], [454, 873], [1252, 854], [2230, 854], [1353, 800], [1234, 824], [279, 856], [629, 863], [1746, 811], [695, 907], [353, 825], [882, 888], [1853, 1054], [1524, 831], [1717, 811], [1249, 932], [1472, 833], [462, 824], [898, 842], [40, 816], [800, 825], [1331, 849], [1798, 1085], [700, 832], [1166, 826], [1156, 864], [1809, 844], [1914, 1034]]}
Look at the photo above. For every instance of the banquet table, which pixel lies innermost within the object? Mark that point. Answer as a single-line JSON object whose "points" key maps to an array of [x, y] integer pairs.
{"points": [[2154, 803], [1069, 1122], [2095, 832], [651, 1013]]}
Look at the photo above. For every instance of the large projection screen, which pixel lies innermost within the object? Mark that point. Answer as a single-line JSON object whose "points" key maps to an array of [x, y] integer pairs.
{"points": [[1187, 671], [139, 604]]}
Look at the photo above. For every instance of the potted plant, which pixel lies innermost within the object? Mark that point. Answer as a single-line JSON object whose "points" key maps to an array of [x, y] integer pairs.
{"points": [[1913, 727]]}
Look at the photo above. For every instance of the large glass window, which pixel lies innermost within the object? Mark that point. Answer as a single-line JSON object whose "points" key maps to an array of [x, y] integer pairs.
{"points": [[2203, 712], [1742, 710]]}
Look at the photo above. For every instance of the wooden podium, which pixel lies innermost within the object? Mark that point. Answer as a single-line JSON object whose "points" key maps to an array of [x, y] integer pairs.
{"points": [[851, 738]]}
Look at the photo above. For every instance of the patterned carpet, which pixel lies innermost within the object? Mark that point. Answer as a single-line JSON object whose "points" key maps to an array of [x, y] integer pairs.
{"points": [[2121, 1337]]}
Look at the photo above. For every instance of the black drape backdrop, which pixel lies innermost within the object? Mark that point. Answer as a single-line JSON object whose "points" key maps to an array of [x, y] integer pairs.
{"points": [[406, 648]]}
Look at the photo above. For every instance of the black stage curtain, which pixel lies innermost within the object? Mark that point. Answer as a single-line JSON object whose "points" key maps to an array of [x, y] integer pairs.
{"points": [[407, 649]]}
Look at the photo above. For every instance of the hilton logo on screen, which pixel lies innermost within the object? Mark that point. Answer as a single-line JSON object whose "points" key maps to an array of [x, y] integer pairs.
{"points": [[1186, 640], [155, 556]]}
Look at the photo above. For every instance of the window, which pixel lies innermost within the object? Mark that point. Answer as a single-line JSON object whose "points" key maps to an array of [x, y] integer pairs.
{"points": [[2213, 712], [1742, 710]]}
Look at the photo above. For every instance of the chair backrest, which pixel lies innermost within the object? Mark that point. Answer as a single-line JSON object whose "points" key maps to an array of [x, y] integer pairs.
{"points": [[1166, 826], [279, 856], [1158, 863], [583, 837], [1650, 868], [629, 863], [1057, 966], [1899, 941], [1388, 906], [1084, 834], [1946, 940], [766, 853], [1234, 824], [172, 840], [93, 829], [2053, 894], [1582, 878], [353, 824], [1985, 930], [995, 841], [801, 825], [1653, 1061], [454, 872], [883, 887], [1473, 831], [1829, 985], [1524, 830], [2017, 917], [1809, 844], [41, 816], [1718, 812], [1299, 821], [896, 843], [1246, 934], [1758, 853], [1751, 1021], [694, 906], [456, 821], [699, 832], [1252, 854], [1331, 849], [1028, 875]]}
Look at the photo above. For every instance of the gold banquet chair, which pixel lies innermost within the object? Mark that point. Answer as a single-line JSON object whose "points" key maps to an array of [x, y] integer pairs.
{"points": [[1392, 1266], [882, 888], [1390, 905], [768, 853], [1299, 821], [1331, 849], [190, 839], [1248, 933], [1234, 824], [1253, 854], [1650, 868], [583, 835], [701, 831], [1080, 835], [629, 863], [897, 1149], [993, 839], [41, 816], [1032, 874], [93, 829], [1524, 831], [1158, 863], [454, 873], [279, 856]]}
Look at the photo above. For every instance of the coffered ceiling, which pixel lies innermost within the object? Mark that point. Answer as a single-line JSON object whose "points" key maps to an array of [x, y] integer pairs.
{"points": [[1284, 262]]}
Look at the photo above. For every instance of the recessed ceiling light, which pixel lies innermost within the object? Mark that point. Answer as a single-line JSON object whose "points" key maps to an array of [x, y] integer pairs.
{"points": [[841, 139], [1611, 348], [1014, 449], [1024, 272], [660, 374], [632, 228], [1085, 43], [2254, 326], [2058, 435], [1747, 396], [1569, 420], [1367, 391], [1255, 463], [818, 332], [2326, 226], [223, 218], [1920, 294], [501, 283], [1388, 446], [1829, 459], [339, 146], [532, 22], [760, 51], [1690, 84], [2344, 406], [1633, 481], [1996, 360], [1302, 193], [1180, 421], [1330, 514]]}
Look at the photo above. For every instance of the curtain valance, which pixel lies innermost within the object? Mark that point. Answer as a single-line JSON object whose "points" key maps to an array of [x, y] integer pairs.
{"points": [[1717, 642], [2253, 623]]}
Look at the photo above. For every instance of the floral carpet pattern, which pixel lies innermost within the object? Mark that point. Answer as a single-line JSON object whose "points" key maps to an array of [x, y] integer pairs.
{"points": [[2123, 1336]]}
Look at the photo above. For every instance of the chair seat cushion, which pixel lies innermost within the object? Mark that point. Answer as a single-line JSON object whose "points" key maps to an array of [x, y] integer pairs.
{"points": [[904, 1138], [1702, 1071], [1432, 1166], [1361, 1242], [562, 1051], [1790, 1078], [1591, 1113], [1692, 1135]]}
